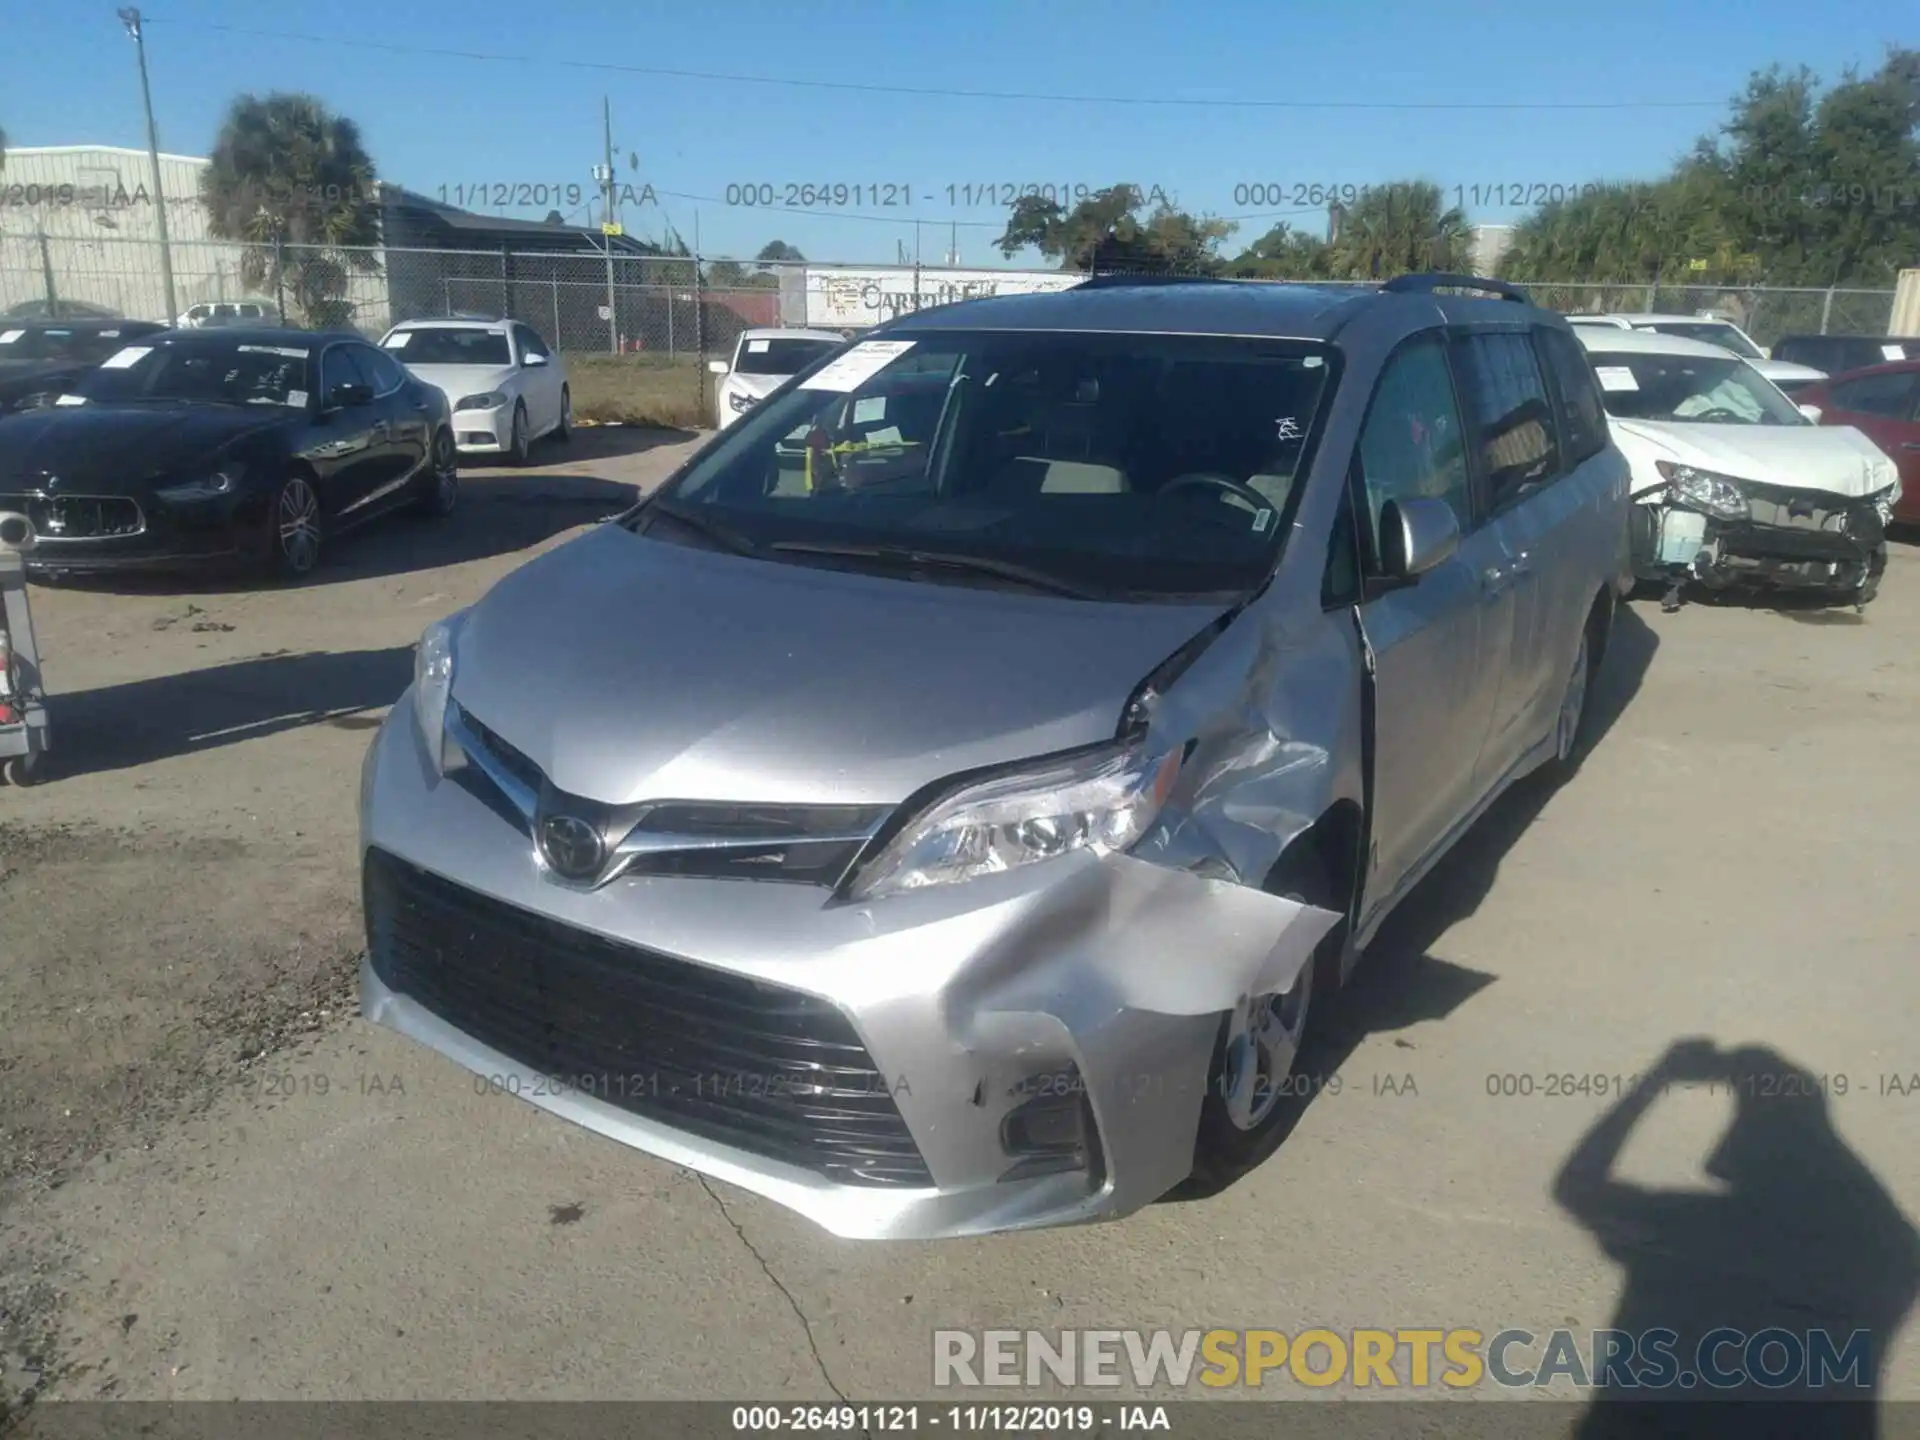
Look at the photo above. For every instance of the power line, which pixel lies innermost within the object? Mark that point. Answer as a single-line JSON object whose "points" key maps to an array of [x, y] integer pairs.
{"points": [[857, 87]]}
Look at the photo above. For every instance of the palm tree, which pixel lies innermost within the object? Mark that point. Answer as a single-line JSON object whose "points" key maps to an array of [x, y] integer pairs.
{"points": [[1399, 228], [292, 182]]}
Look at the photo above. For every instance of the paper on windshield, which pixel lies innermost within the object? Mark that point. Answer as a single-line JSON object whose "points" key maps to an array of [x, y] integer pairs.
{"points": [[127, 358], [7, 337], [1892, 352], [288, 351], [297, 399], [858, 365], [873, 407], [758, 347], [1616, 377], [71, 400], [399, 341]]}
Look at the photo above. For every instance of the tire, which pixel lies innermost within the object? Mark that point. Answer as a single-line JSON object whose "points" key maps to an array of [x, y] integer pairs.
{"points": [[442, 491], [520, 447], [1570, 721], [21, 771], [295, 528], [563, 432], [1238, 1129]]}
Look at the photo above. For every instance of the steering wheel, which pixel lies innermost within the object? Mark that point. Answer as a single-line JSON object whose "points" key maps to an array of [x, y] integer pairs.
{"points": [[1721, 410], [1224, 485]]}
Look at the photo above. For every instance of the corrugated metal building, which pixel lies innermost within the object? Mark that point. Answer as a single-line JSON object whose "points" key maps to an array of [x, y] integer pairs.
{"points": [[83, 221]]}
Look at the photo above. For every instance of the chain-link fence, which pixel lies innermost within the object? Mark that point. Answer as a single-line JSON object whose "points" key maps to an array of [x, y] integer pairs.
{"points": [[637, 328]]}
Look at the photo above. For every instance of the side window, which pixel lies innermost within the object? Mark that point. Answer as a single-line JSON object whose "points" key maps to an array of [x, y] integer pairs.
{"points": [[1583, 420], [1510, 416], [530, 343], [1411, 443], [338, 367], [1890, 396], [382, 367]]}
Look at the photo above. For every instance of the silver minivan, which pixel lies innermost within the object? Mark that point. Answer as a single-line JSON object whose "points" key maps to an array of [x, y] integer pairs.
{"points": [[944, 804]]}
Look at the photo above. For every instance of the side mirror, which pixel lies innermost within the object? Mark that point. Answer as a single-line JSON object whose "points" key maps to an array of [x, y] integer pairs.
{"points": [[530, 360], [1416, 535], [719, 367], [348, 394], [1812, 412]]}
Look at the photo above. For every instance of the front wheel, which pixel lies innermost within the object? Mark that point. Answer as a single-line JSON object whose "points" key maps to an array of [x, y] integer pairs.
{"points": [[520, 446], [1257, 1057], [564, 430], [442, 490], [296, 531]]}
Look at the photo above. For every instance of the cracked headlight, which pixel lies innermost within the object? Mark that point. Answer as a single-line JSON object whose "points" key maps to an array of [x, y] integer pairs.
{"points": [[1720, 496], [433, 683], [1884, 502], [741, 401], [1103, 801]]}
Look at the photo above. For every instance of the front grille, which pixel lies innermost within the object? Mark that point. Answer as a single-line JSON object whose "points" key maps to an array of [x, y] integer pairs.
{"points": [[78, 517], [734, 1060], [509, 759]]}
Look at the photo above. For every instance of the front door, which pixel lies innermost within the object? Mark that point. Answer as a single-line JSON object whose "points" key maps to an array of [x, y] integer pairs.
{"points": [[1438, 645]]}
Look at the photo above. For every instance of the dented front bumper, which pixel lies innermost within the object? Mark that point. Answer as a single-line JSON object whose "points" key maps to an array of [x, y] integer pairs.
{"points": [[1023, 1050], [1825, 545]]}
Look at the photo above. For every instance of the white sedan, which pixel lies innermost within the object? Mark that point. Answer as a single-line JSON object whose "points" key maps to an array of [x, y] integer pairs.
{"points": [[1733, 484], [763, 361], [505, 387]]}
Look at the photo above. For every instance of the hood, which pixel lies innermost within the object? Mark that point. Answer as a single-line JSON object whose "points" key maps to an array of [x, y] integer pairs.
{"points": [[459, 381], [632, 669], [1787, 370], [1837, 459], [114, 449]]}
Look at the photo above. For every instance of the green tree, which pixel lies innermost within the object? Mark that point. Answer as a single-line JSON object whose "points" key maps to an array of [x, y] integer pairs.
{"points": [[1284, 253], [1119, 228], [779, 250], [293, 183], [1394, 229]]}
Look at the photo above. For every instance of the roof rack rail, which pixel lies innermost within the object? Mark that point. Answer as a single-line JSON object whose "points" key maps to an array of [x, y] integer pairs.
{"points": [[1426, 282], [1104, 278]]}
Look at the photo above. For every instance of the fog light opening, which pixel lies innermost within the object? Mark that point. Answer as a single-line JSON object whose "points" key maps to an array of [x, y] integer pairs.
{"points": [[1051, 1131]]}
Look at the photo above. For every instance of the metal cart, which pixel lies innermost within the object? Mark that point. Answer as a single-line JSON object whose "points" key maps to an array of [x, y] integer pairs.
{"points": [[23, 701]]}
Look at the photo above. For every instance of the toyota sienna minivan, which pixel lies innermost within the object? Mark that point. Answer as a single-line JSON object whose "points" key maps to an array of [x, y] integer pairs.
{"points": [[944, 805]]}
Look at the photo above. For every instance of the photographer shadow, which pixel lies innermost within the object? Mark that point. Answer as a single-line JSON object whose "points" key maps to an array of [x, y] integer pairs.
{"points": [[1799, 1236]]}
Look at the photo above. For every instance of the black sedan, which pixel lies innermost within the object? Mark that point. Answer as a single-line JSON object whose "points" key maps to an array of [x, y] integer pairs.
{"points": [[201, 447], [40, 359]]}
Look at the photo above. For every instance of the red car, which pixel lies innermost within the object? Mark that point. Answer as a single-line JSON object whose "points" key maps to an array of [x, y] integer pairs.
{"points": [[1883, 402]]}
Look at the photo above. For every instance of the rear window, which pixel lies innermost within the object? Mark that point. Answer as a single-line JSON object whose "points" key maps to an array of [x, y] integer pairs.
{"points": [[450, 345], [781, 357]]}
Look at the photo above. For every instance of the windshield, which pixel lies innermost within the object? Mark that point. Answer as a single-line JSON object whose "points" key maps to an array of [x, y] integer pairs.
{"points": [[1699, 389], [451, 345], [1120, 465], [1713, 333], [781, 357], [221, 372], [88, 346]]}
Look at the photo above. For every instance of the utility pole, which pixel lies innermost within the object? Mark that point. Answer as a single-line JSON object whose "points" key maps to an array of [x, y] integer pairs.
{"points": [[131, 19], [609, 226]]}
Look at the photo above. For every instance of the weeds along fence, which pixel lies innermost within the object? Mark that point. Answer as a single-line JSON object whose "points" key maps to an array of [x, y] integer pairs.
{"points": [[638, 328]]}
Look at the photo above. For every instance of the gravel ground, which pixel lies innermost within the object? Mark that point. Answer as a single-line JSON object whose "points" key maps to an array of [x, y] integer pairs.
{"points": [[217, 1182]]}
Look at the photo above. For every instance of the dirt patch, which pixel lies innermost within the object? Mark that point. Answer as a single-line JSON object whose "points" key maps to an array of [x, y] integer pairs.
{"points": [[146, 972]]}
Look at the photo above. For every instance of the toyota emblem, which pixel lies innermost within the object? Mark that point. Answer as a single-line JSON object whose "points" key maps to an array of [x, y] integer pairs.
{"points": [[571, 847]]}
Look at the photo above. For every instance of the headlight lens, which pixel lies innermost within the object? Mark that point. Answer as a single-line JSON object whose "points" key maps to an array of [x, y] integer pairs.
{"points": [[1102, 802], [223, 481], [1718, 495], [433, 683], [740, 401], [492, 400], [1885, 501]]}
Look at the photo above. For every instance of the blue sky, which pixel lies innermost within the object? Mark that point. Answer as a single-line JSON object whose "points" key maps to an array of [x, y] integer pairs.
{"points": [[434, 121]]}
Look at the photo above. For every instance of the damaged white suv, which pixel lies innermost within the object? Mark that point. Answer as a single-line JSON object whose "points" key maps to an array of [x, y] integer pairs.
{"points": [[941, 806], [1733, 484]]}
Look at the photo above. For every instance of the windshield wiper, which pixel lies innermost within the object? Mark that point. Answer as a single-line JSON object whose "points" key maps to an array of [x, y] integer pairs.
{"points": [[906, 558], [700, 524]]}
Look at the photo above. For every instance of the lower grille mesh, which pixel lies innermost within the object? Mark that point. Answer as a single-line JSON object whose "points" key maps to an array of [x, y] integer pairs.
{"points": [[768, 1070]]}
